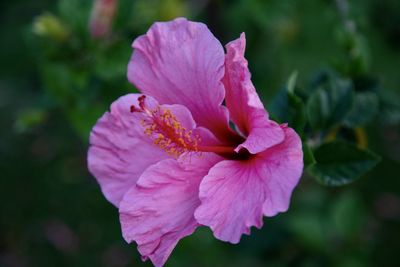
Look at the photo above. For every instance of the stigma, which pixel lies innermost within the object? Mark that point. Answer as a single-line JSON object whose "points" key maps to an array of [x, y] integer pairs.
{"points": [[165, 130]]}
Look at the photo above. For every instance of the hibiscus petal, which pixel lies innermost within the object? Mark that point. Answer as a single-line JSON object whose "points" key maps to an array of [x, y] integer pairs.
{"points": [[120, 150], [182, 62], [235, 194], [285, 166], [158, 211], [245, 107]]}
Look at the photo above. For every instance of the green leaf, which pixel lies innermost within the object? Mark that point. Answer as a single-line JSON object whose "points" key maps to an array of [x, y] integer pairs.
{"points": [[355, 60], [297, 113], [308, 156], [291, 84], [364, 110], [330, 104], [340, 163], [287, 107]]}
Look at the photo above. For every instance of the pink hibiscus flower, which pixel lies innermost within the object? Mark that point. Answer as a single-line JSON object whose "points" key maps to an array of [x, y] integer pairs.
{"points": [[168, 159]]}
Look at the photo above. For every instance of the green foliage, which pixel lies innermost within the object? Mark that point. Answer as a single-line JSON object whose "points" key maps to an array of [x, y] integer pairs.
{"points": [[339, 163], [364, 110], [288, 107], [333, 109], [81, 75], [355, 59], [329, 104], [308, 156]]}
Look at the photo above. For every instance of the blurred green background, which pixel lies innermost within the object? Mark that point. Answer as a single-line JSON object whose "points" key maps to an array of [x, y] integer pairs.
{"points": [[56, 79]]}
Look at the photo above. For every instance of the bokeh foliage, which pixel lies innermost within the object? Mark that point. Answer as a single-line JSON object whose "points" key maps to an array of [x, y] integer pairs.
{"points": [[331, 73]]}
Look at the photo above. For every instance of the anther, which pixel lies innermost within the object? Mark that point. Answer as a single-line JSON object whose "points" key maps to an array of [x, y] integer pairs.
{"points": [[141, 101], [134, 109]]}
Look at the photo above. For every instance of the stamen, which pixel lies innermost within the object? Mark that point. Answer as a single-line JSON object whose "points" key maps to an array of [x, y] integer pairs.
{"points": [[162, 126]]}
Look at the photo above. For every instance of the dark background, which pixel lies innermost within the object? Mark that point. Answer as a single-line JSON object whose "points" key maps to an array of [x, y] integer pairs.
{"points": [[54, 85]]}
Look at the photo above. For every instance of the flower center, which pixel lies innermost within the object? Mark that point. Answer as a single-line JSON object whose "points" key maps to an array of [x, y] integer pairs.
{"points": [[168, 133]]}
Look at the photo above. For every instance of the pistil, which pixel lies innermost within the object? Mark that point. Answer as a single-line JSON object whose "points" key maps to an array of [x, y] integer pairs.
{"points": [[217, 149]]}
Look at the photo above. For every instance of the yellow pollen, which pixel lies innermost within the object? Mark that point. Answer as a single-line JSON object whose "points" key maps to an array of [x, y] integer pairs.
{"points": [[168, 133]]}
